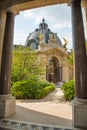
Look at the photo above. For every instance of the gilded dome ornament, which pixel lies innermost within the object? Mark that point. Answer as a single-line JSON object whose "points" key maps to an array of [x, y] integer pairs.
{"points": [[40, 36], [65, 43], [52, 38]]}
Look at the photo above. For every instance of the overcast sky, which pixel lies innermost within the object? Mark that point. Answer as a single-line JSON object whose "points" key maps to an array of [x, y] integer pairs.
{"points": [[58, 18]]}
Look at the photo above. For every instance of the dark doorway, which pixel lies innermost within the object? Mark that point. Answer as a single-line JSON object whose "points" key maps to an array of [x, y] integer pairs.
{"points": [[53, 70]]}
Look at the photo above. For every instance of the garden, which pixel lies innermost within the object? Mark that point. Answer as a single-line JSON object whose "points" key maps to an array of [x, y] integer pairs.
{"points": [[26, 79]]}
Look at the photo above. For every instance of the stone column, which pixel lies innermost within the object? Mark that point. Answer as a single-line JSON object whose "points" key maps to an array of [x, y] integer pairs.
{"points": [[60, 73], [80, 101], [7, 103], [65, 73], [2, 27]]}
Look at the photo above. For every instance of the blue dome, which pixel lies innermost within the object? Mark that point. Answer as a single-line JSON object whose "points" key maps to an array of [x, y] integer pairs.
{"points": [[33, 38]]}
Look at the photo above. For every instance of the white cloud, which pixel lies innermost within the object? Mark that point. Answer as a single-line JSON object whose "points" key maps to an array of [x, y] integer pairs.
{"points": [[35, 15], [60, 26], [54, 14], [28, 14]]}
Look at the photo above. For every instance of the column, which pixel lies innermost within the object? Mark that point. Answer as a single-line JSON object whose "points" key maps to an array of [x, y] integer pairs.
{"points": [[5, 77], [2, 27], [60, 73], [79, 50], [65, 73], [79, 111], [7, 103]]}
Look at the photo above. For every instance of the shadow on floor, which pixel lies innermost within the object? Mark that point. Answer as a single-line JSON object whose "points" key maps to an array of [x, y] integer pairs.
{"points": [[29, 115]]}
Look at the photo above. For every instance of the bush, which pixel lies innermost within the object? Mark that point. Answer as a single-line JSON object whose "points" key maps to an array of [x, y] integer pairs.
{"points": [[48, 89], [68, 90], [31, 88], [45, 83]]}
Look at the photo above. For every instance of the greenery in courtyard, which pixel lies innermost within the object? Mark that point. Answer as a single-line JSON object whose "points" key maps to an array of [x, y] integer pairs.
{"points": [[68, 87], [68, 90], [70, 57], [27, 71], [25, 64], [31, 88]]}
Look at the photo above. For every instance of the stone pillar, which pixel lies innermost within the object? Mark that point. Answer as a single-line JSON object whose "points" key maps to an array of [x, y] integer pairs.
{"points": [[2, 27], [60, 73], [65, 73], [80, 102], [7, 102]]}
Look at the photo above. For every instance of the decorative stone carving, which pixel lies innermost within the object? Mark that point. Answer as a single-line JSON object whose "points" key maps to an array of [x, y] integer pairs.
{"points": [[65, 43], [52, 38]]}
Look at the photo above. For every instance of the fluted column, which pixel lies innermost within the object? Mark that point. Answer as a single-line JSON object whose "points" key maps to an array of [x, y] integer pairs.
{"points": [[79, 104], [79, 50]]}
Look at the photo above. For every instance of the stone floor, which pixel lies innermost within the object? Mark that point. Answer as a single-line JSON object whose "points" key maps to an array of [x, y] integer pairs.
{"points": [[52, 110]]}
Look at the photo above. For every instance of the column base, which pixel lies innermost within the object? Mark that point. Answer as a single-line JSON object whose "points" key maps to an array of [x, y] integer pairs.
{"points": [[7, 105], [79, 113]]}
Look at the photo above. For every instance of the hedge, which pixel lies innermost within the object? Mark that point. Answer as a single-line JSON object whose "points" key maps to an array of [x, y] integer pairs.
{"points": [[68, 90], [31, 89]]}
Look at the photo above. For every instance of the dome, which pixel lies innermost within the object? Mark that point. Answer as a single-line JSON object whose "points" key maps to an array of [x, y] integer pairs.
{"points": [[33, 38]]}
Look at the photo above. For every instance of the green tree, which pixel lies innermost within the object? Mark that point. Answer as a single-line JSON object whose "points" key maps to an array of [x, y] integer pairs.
{"points": [[70, 57], [25, 64], [68, 90], [86, 46]]}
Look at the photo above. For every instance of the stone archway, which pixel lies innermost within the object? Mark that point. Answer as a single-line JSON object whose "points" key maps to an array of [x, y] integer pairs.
{"points": [[53, 70]]}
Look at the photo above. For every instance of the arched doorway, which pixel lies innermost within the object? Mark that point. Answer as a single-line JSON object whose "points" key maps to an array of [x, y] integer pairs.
{"points": [[53, 70]]}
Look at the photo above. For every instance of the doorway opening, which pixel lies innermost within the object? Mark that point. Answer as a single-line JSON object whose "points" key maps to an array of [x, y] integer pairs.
{"points": [[54, 71]]}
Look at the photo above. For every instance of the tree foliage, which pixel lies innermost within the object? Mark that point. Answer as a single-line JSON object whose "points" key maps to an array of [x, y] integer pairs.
{"points": [[86, 46], [31, 88], [25, 64], [70, 57], [68, 90]]}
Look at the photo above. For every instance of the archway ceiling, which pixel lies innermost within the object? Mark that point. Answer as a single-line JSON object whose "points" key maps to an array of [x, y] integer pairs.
{"points": [[16, 6], [28, 4], [40, 3]]}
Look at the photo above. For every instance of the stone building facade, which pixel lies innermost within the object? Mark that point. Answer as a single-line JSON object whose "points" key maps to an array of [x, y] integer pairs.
{"points": [[51, 53]]}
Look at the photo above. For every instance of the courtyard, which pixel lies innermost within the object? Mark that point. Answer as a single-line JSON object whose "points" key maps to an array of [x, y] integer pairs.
{"points": [[53, 110]]}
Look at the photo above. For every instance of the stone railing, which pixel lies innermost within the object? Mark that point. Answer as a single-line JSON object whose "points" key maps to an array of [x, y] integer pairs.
{"points": [[7, 124]]}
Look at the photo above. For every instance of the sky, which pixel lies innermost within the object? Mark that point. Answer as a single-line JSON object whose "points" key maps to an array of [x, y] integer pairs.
{"points": [[58, 18]]}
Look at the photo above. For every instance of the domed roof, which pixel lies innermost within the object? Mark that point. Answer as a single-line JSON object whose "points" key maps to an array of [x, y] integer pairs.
{"points": [[33, 38]]}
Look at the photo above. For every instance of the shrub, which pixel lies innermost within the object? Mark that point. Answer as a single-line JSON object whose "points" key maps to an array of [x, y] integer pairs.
{"points": [[31, 88], [45, 83], [48, 89], [68, 90]]}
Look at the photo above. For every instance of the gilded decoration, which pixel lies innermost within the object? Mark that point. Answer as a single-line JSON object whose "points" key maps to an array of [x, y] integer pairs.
{"points": [[40, 36], [52, 38]]}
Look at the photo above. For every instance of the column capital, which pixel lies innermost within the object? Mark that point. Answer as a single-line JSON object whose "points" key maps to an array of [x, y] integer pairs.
{"points": [[2, 16], [75, 1], [14, 9], [3, 11]]}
